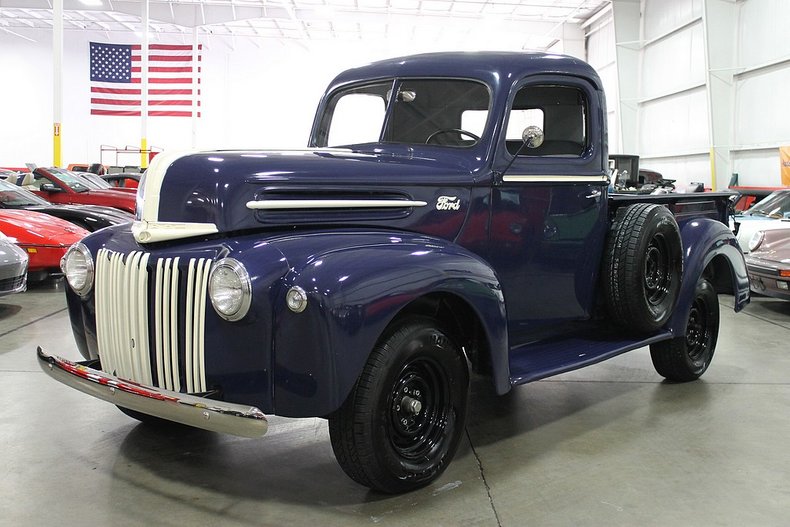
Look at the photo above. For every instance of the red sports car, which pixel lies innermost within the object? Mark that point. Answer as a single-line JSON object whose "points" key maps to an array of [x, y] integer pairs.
{"points": [[58, 185], [44, 238]]}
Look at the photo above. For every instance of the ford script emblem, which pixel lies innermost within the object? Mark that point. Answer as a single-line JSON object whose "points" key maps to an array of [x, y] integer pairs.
{"points": [[448, 203]]}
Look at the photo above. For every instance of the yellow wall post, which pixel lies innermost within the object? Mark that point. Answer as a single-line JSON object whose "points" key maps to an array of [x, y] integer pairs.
{"points": [[143, 153], [56, 157]]}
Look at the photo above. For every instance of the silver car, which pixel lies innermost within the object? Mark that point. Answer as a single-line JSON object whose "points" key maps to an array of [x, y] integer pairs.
{"points": [[13, 267]]}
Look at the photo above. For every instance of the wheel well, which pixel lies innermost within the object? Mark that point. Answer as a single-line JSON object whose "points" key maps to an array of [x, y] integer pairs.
{"points": [[457, 317], [719, 273]]}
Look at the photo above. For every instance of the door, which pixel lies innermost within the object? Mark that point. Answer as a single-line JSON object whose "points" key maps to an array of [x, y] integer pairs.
{"points": [[549, 214]]}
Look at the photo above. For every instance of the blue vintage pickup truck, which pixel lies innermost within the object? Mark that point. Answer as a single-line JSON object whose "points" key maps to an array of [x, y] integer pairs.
{"points": [[451, 214]]}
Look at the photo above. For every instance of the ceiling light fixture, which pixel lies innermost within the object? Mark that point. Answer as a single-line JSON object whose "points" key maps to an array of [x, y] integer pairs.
{"points": [[92, 3]]}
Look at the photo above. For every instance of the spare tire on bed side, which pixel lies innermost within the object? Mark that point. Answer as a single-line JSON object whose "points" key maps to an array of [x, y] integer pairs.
{"points": [[642, 267]]}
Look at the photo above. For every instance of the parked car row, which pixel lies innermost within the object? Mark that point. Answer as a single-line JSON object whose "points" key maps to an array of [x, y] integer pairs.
{"points": [[44, 212], [89, 217], [58, 185]]}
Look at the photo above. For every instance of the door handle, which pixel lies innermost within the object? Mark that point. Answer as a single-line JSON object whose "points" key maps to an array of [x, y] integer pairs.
{"points": [[594, 194]]}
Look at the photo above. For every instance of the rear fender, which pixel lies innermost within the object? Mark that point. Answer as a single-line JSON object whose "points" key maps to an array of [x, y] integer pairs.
{"points": [[703, 241], [357, 283]]}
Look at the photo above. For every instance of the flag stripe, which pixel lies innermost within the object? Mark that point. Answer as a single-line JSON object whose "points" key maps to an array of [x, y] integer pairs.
{"points": [[156, 91], [98, 111], [117, 91], [170, 81], [165, 69], [172, 76], [119, 102], [171, 102], [170, 113]]}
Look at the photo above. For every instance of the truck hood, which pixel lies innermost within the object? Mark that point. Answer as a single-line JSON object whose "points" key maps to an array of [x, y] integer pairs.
{"points": [[185, 195]]}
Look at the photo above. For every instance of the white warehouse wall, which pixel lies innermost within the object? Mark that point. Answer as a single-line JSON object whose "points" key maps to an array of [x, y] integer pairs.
{"points": [[762, 85], [673, 122], [256, 93], [673, 106], [600, 44]]}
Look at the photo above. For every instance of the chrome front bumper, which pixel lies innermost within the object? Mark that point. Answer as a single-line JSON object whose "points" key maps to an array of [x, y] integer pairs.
{"points": [[217, 416]]}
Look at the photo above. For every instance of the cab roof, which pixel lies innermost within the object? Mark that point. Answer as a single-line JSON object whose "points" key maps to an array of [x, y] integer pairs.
{"points": [[492, 68]]}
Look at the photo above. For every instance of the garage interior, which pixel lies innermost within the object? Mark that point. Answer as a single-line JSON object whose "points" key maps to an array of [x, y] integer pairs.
{"points": [[695, 87]]}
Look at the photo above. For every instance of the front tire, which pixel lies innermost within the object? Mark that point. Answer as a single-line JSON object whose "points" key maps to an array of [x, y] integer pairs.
{"points": [[401, 425], [686, 358]]}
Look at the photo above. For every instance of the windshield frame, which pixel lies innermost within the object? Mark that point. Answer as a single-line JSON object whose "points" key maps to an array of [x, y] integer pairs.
{"points": [[61, 176], [320, 136]]}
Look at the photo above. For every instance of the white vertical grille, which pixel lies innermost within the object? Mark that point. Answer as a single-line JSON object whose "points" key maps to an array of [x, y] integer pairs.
{"points": [[122, 314]]}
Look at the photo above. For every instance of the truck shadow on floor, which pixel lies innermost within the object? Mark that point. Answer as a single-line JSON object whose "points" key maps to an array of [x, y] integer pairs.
{"points": [[294, 463]]}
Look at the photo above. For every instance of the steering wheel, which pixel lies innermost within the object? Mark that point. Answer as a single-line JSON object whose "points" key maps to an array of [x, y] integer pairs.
{"points": [[458, 131]]}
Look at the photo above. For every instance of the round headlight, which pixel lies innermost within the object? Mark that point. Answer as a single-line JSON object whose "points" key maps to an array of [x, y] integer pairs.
{"points": [[77, 265], [756, 240], [230, 289]]}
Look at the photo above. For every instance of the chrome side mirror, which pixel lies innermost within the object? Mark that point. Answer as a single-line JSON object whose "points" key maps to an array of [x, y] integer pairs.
{"points": [[532, 136]]}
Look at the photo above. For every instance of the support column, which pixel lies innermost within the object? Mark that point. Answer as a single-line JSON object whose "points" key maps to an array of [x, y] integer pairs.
{"points": [[719, 23], [627, 34], [144, 89], [57, 75]]}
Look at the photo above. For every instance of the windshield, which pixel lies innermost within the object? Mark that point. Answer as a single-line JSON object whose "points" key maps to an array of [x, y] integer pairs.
{"points": [[442, 112], [776, 205], [74, 182], [94, 181], [13, 197]]}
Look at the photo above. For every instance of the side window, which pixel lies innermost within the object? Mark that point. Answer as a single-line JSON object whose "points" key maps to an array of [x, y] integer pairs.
{"points": [[560, 111]]}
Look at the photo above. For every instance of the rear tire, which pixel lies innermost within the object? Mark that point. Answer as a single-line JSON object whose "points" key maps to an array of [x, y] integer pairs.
{"points": [[401, 425], [686, 358]]}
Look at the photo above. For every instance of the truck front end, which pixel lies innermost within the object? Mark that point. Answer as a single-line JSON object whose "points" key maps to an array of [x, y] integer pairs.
{"points": [[162, 313]]}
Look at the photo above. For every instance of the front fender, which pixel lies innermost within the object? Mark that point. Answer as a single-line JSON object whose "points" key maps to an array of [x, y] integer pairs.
{"points": [[704, 240], [357, 282]]}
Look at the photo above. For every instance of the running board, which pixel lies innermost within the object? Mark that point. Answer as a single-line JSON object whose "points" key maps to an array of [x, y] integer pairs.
{"points": [[545, 358]]}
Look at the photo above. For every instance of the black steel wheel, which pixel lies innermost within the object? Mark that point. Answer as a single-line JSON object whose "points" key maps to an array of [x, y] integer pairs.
{"points": [[643, 265], [686, 358], [401, 425], [658, 271]]}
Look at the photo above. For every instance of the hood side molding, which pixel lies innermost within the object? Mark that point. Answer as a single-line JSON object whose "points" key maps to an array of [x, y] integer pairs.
{"points": [[291, 204]]}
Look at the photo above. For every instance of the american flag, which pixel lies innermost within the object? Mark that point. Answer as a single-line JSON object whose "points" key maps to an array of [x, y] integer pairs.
{"points": [[116, 76]]}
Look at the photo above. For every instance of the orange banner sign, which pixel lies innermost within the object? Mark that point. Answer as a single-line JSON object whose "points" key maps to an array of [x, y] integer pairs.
{"points": [[784, 161]]}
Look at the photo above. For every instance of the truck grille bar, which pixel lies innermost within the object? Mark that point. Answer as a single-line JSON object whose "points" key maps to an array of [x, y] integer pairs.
{"points": [[124, 293]]}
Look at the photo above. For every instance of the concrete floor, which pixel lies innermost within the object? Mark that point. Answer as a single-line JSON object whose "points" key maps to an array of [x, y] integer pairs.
{"points": [[608, 445]]}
